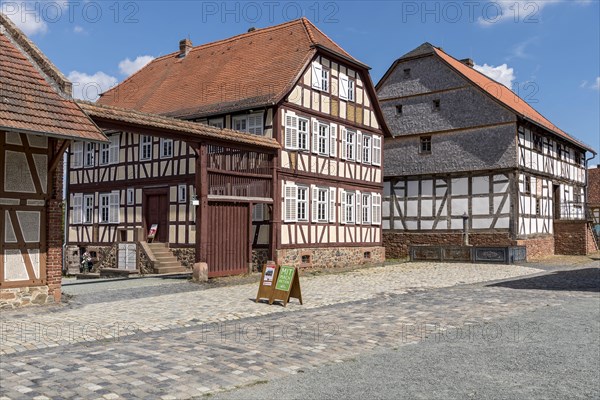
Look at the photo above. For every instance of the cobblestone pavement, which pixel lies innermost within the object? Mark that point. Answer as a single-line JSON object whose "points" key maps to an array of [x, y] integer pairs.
{"points": [[193, 343]]}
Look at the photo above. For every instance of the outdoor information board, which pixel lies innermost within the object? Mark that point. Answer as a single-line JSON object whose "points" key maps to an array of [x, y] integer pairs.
{"points": [[287, 285], [266, 282]]}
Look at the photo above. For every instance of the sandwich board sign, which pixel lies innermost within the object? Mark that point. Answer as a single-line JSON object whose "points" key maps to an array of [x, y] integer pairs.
{"points": [[267, 280], [287, 285], [152, 232]]}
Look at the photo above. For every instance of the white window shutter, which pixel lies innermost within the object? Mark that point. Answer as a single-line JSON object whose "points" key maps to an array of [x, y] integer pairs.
{"points": [[343, 89], [333, 140], [315, 194], [291, 131], [113, 149], [344, 136], [77, 208], [291, 203], [358, 208], [376, 208], [342, 206], [358, 157], [77, 155], [315, 135], [376, 150], [317, 71], [332, 200]]}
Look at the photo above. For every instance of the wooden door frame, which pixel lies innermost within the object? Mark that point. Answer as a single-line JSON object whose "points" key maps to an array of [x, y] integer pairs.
{"points": [[146, 193]]}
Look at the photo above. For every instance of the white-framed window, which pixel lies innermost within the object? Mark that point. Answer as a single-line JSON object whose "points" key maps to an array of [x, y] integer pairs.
{"points": [[130, 196], [348, 210], [109, 152], [216, 122], [89, 154], [251, 123], [104, 153], [366, 208], [366, 149], [88, 209], [320, 204], [346, 88], [166, 148], [182, 193], [376, 152], [320, 77], [350, 144], [302, 204], [77, 155], [320, 134], [145, 147], [303, 134], [77, 209], [109, 208]]}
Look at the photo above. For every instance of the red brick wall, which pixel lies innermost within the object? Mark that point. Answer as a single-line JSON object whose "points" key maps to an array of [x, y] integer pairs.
{"points": [[594, 186], [397, 243], [55, 234], [573, 238]]}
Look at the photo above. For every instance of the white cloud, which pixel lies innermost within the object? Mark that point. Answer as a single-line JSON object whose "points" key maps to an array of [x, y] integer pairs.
{"points": [[25, 16], [596, 85], [79, 29], [88, 87], [128, 67], [502, 73], [518, 11]]}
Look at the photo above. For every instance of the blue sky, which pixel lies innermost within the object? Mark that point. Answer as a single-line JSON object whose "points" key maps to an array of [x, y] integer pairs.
{"points": [[548, 51]]}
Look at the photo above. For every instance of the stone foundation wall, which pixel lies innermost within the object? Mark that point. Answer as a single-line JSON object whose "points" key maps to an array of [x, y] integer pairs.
{"points": [[259, 258], [397, 243], [573, 238], [329, 257], [27, 296], [186, 256]]}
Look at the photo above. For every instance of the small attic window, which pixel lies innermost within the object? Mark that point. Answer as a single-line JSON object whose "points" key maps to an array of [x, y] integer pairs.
{"points": [[399, 109], [407, 72], [436, 105]]}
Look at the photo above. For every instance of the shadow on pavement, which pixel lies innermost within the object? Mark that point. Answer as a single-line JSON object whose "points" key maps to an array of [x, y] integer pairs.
{"points": [[583, 280]]}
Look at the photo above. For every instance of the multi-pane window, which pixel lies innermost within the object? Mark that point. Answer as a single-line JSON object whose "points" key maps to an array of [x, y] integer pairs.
{"points": [[302, 204], [251, 123], [145, 147], [366, 149], [88, 209], [527, 184], [351, 90], [88, 157], [303, 133], [321, 204], [216, 122], [109, 152], [346, 88], [538, 142], [109, 208], [166, 148], [104, 153], [366, 208], [425, 144], [320, 77], [350, 144], [324, 80], [349, 211], [323, 139]]}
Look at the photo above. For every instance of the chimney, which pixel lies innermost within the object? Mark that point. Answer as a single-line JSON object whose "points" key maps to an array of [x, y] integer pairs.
{"points": [[185, 46], [468, 62], [251, 29]]}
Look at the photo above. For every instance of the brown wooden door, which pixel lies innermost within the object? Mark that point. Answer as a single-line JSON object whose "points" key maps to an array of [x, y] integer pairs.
{"points": [[157, 212], [228, 238], [556, 198]]}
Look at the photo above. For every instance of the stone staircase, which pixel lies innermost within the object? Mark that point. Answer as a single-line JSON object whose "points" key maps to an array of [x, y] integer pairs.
{"points": [[166, 262]]}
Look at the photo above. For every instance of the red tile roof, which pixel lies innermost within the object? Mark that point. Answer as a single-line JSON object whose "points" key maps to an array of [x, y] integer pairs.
{"points": [[140, 119], [32, 100], [506, 96], [253, 69]]}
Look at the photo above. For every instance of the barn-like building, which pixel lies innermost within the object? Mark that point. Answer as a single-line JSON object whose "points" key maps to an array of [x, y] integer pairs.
{"points": [[38, 121]]}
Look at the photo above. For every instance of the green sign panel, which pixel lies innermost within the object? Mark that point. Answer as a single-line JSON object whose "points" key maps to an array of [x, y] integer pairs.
{"points": [[284, 280]]}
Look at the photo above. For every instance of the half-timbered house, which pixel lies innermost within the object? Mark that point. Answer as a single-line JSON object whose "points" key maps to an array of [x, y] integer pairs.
{"points": [[38, 120], [315, 202], [466, 149]]}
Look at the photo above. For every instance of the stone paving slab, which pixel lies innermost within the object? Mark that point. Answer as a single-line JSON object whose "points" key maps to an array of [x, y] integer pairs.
{"points": [[190, 362], [110, 321]]}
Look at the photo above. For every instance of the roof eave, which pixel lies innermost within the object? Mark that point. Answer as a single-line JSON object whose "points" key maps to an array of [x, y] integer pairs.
{"points": [[52, 134], [567, 138], [342, 56]]}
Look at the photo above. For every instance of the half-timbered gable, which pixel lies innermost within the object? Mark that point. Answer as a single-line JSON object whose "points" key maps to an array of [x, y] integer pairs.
{"points": [[288, 82], [38, 120], [465, 146]]}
